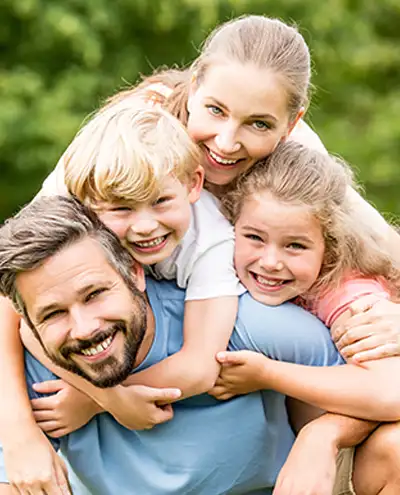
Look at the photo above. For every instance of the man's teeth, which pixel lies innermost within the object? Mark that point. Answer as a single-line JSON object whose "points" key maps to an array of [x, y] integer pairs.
{"points": [[96, 349], [268, 281], [154, 242], [223, 161]]}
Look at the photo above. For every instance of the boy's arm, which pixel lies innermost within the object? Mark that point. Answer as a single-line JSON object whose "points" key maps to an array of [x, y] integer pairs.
{"points": [[30, 460], [208, 325]]}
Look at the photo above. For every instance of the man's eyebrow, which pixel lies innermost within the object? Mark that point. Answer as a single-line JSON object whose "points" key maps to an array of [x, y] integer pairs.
{"points": [[266, 116]]}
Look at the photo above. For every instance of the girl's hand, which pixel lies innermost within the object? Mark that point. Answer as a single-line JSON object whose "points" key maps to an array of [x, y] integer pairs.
{"points": [[372, 332], [63, 412], [241, 373], [33, 467]]}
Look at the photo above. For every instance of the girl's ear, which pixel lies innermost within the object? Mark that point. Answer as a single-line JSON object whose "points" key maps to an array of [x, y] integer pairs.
{"points": [[196, 184], [292, 124]]}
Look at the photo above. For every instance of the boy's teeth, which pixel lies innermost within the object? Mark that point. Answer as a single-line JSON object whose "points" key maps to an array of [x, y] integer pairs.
{"points": [[267, 281], [92, 351], [223, 161], [154, 242]]}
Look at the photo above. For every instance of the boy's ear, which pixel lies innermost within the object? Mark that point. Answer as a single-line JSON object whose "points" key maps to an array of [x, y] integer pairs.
{"points": [[138, 277], [196, 184]]}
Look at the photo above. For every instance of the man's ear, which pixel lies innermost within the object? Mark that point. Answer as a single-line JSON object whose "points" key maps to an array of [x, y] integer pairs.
{"points": [[292, 124], [138, 277], [195, 185]]}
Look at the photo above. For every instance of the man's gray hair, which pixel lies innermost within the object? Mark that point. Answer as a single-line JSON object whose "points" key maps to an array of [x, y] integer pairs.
{"points": [[43, 228]]}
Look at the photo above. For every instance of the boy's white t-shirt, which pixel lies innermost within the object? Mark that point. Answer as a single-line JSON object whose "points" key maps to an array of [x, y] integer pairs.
{"points": [[203, 262]]}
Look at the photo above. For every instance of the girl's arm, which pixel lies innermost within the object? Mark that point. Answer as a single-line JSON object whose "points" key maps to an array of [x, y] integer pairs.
{"points": [[32, 465], [345, 389]]}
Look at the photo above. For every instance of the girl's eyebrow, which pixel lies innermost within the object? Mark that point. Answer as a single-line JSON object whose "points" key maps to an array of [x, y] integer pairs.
{"points": [[265, 116]]}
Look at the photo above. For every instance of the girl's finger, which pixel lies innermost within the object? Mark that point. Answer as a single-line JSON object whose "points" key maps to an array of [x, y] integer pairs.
{"points": [[383, 351]]}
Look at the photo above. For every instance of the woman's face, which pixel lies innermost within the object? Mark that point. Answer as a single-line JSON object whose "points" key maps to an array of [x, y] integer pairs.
{"points": [[237, 114]]}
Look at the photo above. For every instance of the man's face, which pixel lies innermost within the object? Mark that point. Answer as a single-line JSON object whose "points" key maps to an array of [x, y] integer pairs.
{"points": [[86, 317]]}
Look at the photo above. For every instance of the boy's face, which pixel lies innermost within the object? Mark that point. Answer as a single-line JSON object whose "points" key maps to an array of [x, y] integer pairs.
{"points": [[151, 231]]}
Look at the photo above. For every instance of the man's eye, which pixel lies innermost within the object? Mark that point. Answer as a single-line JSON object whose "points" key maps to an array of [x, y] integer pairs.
{"points": [[52, 315], [94, 294], [214, 110]]}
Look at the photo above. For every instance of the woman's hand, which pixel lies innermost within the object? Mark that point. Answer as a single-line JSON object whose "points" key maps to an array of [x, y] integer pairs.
{"points": [[241, 373], [63, 412], [372, 332], [33, 467]]}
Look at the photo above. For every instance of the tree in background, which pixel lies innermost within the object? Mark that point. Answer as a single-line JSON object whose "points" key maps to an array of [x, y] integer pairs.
{"points": [[61, 58]]}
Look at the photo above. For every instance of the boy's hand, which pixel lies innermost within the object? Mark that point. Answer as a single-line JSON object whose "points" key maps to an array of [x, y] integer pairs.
{"points": [[33, 467], [66, 410], [138, 407], [241, 373]]}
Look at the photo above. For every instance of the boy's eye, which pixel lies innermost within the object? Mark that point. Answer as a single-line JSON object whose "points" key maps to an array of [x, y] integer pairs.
{"points": [[119, 208], [253, 237], [260, 125], [161, 200], [214, 110]]}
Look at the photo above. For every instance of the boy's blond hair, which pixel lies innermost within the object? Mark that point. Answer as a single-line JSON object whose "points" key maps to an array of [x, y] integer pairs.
{"points": [[125, 152], [321, 183]]}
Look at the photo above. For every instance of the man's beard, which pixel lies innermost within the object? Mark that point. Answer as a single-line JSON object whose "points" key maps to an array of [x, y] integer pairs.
{"points": [[114, 369]]}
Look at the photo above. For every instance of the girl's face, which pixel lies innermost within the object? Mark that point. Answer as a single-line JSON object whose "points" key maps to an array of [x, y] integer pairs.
{"points": [[279, 249], [237, 114]]}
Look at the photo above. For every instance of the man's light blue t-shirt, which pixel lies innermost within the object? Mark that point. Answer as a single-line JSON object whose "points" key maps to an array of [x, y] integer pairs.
{"points": [[209, 447]]}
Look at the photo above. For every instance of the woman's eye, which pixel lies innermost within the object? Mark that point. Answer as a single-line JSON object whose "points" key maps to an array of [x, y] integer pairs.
{"points": [[260, 125], [214, 110]]}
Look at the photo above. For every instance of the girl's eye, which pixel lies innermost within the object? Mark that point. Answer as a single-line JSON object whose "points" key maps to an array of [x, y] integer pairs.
{"points": [[297, 246], [260, 125], [214, 110]]}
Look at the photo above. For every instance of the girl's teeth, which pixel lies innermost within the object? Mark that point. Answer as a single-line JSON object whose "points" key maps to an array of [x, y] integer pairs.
{"points": [[92, 351], [154, 242], [266, 281], [223, 161]]}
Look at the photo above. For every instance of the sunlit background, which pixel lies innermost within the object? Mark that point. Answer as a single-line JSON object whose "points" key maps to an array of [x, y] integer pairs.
{"points": [[61, 58]]}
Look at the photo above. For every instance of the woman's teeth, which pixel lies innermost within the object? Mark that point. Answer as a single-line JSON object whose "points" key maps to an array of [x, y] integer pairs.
{"points": [[96, 349], [152, 243], [223, 161]]}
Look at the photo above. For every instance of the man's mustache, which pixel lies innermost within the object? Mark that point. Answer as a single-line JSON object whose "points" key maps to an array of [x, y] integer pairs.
{"points": [[80, 345]]}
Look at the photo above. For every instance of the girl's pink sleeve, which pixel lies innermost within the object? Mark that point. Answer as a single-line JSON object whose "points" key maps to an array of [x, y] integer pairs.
{"points": [[333, 303]]}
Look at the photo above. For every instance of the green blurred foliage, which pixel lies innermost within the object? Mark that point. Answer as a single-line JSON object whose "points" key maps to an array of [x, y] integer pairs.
{"points": [[61, 58]]}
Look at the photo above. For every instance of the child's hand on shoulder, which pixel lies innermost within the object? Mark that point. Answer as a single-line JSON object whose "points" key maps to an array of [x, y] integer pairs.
{"points": [[241, 373]]}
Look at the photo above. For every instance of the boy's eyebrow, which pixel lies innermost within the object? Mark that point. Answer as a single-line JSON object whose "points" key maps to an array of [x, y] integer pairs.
{"points": [[266, 116]]}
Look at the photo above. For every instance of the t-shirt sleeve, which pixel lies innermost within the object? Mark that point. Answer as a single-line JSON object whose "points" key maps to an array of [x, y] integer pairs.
{"points": [[286, 332], [213, 274], [34, 372], [334, 303]]}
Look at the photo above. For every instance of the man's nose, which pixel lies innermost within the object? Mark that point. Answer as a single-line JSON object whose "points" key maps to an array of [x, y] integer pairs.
{"points": [[83, 324]]}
